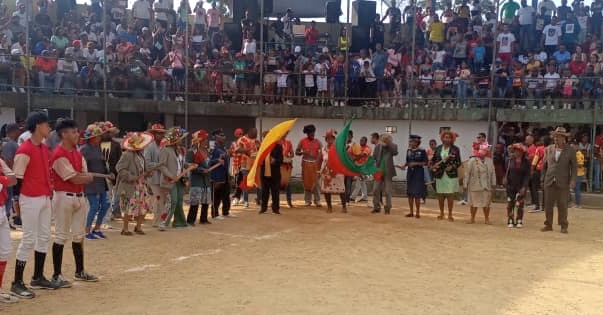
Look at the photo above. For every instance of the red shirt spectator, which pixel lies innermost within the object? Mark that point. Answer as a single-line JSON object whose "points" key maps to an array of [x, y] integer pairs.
{"points": [[46, 64], [312, 34], [577, 67]]}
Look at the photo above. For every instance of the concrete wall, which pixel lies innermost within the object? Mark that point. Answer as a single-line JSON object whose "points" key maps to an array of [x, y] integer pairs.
{"points": [[427, 129]]}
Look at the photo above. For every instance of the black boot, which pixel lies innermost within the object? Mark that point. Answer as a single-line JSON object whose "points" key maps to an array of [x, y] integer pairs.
{"points": [[204, 210], [192, 214]]}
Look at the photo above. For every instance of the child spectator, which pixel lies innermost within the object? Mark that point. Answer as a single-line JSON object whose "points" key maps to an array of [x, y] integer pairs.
{"points": [[309, 83], [158, 76], [322, 79], [282, 84]]}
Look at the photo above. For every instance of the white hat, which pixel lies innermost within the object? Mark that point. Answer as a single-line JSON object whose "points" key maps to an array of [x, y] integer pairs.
{"points": [[16, 52], [297, 50], [325, 50]]}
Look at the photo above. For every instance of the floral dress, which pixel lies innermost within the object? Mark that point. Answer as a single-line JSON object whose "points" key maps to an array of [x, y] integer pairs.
{"points": [[331, 182], [136, 204]]}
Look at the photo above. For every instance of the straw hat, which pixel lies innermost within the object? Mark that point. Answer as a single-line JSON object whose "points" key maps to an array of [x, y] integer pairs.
{"points": [[157, 127], [560, 131], [108, 127], [136, 141], [175, 135], [92, 131]]}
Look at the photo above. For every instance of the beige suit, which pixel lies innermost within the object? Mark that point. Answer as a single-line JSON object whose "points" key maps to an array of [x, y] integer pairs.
{"points": [[557, 174], [169, 166]]}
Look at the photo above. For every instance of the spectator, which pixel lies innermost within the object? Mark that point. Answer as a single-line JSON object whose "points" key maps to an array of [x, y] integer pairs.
{"points": [[162, 9], [141, 13], [508, 11], [67, 69], [505, 41], [552, 35], [46, 65], [213, 19], [395, 18], [158, 76], [200, 17]]}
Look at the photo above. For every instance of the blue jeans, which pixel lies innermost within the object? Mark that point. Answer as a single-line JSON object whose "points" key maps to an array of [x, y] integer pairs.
{"points": [[596, 174], [98, 208], [461, 93], [427, 174], [288, 192], [578, 190]]}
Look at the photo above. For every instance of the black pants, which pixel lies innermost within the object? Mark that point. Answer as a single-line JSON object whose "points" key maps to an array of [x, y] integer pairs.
{"points": [[221, 194], [238, 190], [348, 181], [270, 188], [534, 187]]}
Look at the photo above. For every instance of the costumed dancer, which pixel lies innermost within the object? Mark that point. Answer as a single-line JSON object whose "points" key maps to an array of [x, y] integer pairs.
{"points": [[248, 146], [235, 167], [200, 189], [270, 174], [96, 192], [445, 163], [360, 157], [157, 196], [34, 188], [416, 159], [7, 178], [516, 181], [384, 158], [173, 167], [69, 204], [287, 167], [310, 149], [331, 182], [132, 173], [479, 182]]}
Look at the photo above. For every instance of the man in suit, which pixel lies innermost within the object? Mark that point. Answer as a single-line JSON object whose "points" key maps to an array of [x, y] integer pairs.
{"points": [[384, 157], [271, 179], [151, 155], [558, 177]]}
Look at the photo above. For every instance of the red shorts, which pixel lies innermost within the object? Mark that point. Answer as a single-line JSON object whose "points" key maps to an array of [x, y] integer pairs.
{"points": [[505, 57]]}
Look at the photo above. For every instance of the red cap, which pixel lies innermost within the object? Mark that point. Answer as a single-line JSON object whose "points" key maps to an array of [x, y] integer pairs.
{"points": [[238, 132], [76, 43]]}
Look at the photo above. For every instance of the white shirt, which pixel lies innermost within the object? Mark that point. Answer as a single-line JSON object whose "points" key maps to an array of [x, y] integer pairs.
{"points": [[309, 78], [23, 137], [505, 42], [549, 5], [22, 18], [249, 47], [551, 79], [141, 10], [90, 56], [526, 16], [551, 35], [162, 16], [65, 66], [199, 13]]}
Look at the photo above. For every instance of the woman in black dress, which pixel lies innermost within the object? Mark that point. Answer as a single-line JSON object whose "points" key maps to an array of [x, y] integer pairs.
{"points": [[416, 159]]}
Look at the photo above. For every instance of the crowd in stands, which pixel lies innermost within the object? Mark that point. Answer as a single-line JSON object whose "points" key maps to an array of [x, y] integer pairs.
{"points": [[546, 57]]}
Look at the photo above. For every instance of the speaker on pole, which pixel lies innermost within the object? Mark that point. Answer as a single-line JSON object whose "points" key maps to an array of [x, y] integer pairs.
{"points": [[363, 12], [333, 11], [360, 38]]}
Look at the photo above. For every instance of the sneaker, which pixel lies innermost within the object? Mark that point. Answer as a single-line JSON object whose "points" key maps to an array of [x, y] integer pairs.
{"points": [[19, 289], [99, 234], [245, 204], [519, 224], [510, 225], [91, 236], [60, 282], [235, 201], [219, 218], [535, 210], [42, 284], [161, 226], [83, 276], [7, 298], [230, 215], [462, 202]]}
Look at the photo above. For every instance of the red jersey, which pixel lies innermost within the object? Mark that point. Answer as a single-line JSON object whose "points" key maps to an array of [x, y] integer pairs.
{"points": [[310, 149], [365, 152], [32, 166], [66, 165], [287, 150], [538, 159]]}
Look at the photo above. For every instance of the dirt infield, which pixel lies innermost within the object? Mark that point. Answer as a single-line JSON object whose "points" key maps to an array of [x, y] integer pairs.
{"points": [[309, 262]]}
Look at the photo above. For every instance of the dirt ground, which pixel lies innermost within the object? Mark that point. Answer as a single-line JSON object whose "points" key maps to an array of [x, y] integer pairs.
{"points": [[309, 262]]}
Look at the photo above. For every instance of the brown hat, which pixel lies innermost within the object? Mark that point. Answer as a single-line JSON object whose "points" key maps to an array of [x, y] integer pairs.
{"points": [[560, 131]]}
